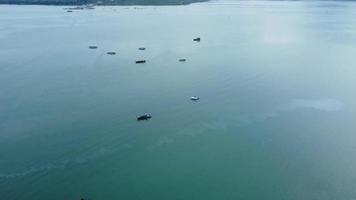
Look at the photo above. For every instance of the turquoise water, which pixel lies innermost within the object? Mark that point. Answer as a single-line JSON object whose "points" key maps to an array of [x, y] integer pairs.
{"points": [[276, 118]]}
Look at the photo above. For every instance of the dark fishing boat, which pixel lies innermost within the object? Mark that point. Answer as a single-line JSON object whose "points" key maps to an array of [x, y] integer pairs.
{"points": [[182, 60], [196, 39], [111, 53], [140, 61], [144, 117], [142, 48], [93, 47]]}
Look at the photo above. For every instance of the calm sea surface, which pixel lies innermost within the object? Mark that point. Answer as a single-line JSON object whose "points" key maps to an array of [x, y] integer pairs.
{"points": [[276, 117]]}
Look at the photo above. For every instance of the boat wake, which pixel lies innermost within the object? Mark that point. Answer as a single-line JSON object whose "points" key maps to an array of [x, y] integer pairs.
{"points": [[323, 105], [59, 165]]}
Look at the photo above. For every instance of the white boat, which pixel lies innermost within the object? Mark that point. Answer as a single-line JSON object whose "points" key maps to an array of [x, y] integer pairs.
{"points": [[194, 98]]}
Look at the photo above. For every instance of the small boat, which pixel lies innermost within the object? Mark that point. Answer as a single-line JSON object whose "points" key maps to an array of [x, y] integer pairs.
{"points": [[142, 48], [111, 53], [182, 60], [78, 8], [140, 61], [194, 98], [144, 117], [89, 6], [69, 11], [93, 47], [196, 39]]}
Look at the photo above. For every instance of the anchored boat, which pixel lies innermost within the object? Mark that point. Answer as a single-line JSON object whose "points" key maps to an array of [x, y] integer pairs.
{"points": [[194, 98], [111, 53], [140, 61], [144, 117]]}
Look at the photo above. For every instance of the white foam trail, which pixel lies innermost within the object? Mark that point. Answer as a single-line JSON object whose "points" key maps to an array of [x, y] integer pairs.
{"points": [[59, 165], [323, 105], [328, 105]]}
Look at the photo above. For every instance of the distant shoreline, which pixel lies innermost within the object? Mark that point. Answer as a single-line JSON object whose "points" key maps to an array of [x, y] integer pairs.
{"points": [[111, 3]]}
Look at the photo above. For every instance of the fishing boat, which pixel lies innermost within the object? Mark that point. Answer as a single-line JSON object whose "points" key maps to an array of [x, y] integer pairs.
{"points": [[140, 61], [196, 39], [111, 53], [194, 98], [144, 117]]}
